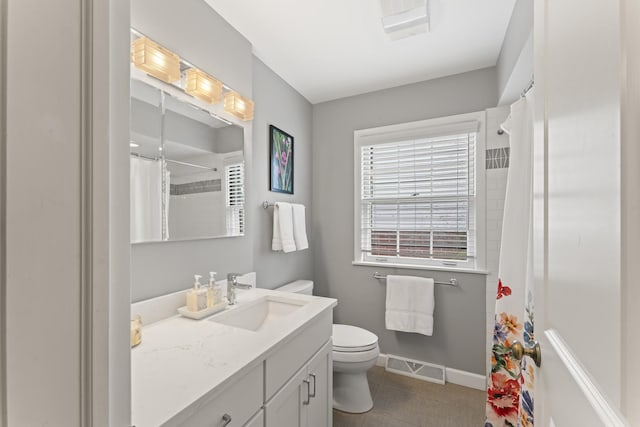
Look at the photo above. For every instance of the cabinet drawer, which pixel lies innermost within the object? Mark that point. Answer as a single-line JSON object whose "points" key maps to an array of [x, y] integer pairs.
{"points": [[239, 400], [284, 363]]}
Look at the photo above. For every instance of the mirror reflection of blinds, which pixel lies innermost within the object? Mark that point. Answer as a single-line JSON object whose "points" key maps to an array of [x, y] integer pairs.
{"points": [[234, 179], [418, 198]]}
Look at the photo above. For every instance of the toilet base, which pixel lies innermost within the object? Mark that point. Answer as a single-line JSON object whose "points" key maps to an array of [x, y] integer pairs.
{"points": [[351, 392]]}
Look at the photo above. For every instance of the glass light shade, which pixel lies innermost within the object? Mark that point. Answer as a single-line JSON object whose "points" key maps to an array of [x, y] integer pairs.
{"points": [[238, 105], [203, 86], [154, 59]]}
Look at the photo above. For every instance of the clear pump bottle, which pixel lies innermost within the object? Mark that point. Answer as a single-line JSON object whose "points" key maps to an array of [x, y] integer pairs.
{"points": [[211, 299], [197, 297]]}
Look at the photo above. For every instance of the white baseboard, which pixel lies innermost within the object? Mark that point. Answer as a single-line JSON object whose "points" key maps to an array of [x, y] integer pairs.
{"points": [[453, 376], [467, 379]]}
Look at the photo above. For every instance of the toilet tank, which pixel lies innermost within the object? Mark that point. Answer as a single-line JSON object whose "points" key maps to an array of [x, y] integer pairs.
{"points": [[304, 287]]}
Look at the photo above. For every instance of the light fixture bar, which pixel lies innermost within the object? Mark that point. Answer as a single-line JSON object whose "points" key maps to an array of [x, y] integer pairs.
{"points": [[203, 86]]}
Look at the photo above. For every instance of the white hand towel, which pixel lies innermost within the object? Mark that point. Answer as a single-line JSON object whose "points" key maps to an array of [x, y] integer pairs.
{"points": [[410, 303], [283, 228], [276, 242], [299, 227]]}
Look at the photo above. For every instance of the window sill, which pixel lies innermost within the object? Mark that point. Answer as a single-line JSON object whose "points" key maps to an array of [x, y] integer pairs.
{"points": [[419, 267]]}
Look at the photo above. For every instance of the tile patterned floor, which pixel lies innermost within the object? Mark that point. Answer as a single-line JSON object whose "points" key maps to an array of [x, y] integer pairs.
{"points": [[400, 401]]}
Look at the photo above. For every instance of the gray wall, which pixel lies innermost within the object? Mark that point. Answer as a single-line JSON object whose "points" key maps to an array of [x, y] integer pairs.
{"points": [[228, 139], [146, 120], [516, 54], [202, 37], [279, 104], [459, 328], [160, 268], [198, 34], [187, 131]]}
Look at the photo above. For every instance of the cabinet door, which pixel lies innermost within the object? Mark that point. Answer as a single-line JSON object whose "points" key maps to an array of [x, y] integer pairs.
{"points": [[288, 407], [320, 375], [257, 420]]}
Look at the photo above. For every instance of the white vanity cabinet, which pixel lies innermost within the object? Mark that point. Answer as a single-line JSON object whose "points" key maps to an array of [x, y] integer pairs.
{"points": [[305, 400], [209, 374]]}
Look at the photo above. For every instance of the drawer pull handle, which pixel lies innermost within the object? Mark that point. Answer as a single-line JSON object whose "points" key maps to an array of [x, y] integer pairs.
{"points": [[306, 402], [313, 394], [226, 418]]}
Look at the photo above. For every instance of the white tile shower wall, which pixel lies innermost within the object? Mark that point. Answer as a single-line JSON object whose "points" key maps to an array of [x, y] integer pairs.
{"points": [[496, 184]]}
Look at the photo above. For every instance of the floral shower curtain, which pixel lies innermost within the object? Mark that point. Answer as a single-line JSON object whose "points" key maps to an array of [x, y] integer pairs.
{"points": [[510, 388]]}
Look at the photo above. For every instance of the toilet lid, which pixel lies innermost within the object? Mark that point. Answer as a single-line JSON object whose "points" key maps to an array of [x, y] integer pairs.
{"points": [[349, 338]]}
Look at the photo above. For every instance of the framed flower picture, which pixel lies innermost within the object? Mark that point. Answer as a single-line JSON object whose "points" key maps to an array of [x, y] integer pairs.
{"points": [[281, 161]]}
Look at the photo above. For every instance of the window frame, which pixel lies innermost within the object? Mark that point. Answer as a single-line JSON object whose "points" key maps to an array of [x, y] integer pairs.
{"points": [[229, 160], [424, 129]]}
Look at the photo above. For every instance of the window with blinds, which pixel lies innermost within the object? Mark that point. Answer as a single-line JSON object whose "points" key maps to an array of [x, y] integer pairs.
{"points": [[234, 185], [418, 197]]}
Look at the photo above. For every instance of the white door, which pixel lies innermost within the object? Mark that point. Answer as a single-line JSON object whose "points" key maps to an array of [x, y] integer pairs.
{"points": [[581, 196]]}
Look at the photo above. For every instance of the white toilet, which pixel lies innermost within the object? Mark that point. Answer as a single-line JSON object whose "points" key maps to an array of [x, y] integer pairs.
{"points": [[355, 351]]}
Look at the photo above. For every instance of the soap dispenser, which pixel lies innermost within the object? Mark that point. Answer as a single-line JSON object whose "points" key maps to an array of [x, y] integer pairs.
{"points": [[217, 294], [197, 297], [211, 297]]}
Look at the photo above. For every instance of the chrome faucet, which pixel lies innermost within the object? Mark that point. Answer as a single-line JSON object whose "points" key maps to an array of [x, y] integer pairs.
{"points": [[232, 284]]}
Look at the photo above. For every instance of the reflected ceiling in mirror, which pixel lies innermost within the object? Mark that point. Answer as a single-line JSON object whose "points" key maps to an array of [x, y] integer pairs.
{"points": [[187, 170]]}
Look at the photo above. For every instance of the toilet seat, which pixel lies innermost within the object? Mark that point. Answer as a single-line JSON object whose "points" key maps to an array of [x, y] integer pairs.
{"points": [[355, 356], [351, 339]]}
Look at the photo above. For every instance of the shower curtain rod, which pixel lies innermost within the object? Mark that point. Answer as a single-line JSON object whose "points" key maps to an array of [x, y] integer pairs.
{"points": [[522, 95], [528, 88], [174, 161]]}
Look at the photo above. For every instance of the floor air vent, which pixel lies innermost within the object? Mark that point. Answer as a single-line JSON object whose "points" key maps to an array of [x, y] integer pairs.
{"points": [[416, 369]]}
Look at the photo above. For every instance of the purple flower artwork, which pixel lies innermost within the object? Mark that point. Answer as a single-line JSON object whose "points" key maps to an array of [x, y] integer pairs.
{"points": [[281, 161]]}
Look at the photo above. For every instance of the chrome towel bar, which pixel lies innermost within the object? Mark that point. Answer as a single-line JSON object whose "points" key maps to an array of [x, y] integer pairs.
{"points": [[452, 282]]}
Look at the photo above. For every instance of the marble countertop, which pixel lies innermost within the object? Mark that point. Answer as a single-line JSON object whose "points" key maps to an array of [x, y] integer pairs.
{"points": [[182, 362]]}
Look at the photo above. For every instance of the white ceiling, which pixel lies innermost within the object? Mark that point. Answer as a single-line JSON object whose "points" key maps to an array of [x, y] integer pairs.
{"points": [[329, 49]]}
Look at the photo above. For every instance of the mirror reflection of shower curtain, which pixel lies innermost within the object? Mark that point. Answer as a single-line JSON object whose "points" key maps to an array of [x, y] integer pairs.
{"points": [[166, 190], [146, 199]]}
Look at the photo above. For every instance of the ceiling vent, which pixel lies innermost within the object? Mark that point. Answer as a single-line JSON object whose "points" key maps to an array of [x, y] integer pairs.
{"points": [[405, 18]]}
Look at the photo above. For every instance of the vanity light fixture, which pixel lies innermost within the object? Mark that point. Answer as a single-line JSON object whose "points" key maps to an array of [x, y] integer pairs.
{"points": [[133, 145], [238, 105], [155, 60], [202, 86]]}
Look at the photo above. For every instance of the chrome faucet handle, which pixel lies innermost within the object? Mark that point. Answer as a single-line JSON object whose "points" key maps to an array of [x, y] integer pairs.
{"points": [[232, 284], [232, 280]]}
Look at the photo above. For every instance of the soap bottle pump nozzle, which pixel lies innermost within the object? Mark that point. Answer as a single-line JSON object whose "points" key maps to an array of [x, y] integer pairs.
{"points": [[212, 279], [197, 283]]}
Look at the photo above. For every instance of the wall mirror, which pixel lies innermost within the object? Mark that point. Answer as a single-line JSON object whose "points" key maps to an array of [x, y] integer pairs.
{"points": [[186, 169]]}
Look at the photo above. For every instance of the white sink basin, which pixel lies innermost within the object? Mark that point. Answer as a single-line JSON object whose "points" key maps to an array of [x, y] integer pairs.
{"points": [[259, 314]]}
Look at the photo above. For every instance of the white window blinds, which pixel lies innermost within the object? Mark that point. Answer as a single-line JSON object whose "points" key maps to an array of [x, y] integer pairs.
{"points": [[418, 197], [234, 179]]}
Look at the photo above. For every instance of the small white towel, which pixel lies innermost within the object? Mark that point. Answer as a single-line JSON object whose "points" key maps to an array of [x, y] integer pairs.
{"points": [[283, 228], [299, 227], [410, 304]]}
